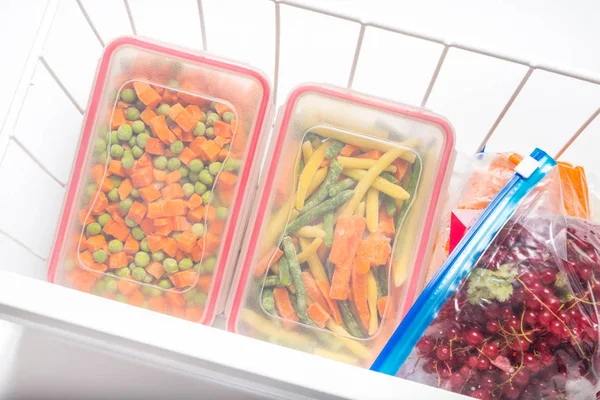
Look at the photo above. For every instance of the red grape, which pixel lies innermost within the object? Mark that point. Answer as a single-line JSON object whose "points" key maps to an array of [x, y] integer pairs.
{"points": [[490, 349], [474, 337], [443, 352], [547, 276], [481, 394]]}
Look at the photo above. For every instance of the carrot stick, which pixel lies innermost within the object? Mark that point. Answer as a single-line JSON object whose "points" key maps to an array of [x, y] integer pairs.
{"points": [[284, 304], [318, 315], [359, 293], [333, 305], [313, 292]]}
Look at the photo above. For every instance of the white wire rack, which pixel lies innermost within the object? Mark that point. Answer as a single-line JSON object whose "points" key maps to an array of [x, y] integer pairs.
{"points": [[39, 131]]}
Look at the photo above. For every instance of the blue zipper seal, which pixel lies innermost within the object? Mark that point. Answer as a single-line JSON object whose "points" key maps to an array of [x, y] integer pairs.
{"points": [[461, 261]]}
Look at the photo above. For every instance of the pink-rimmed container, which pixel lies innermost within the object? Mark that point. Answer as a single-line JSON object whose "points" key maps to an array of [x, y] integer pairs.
{"points": [[369, 124], [212, 86]]}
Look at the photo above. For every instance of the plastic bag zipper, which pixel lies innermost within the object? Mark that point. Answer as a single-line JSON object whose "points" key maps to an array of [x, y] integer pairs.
{"points": [[461, 261]]}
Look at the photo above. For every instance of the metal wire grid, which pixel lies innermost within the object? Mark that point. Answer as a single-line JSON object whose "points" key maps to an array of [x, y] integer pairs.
{"points": [[447, 45]]}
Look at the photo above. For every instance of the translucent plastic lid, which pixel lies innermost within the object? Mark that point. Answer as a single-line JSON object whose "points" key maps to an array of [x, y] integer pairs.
{"points": [[157, 201], [337, 245]]}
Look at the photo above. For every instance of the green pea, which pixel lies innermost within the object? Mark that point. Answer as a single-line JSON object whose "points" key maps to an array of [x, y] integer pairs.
{"points": [[142, 139], [170, 265], [138, 233], [189, 294], [200, 129], [165, 284], [100, 256], [183, 181], [103, 219], [188, 190], [116, 181], [205, 177], [128, 95], [99, 146], [200, 299], [176, 147], [125, 204], [127, 162], [135, 193], [130, 223], [198, 230], [148, 278], [132, 114], [111, 285], [114, 137], [127, 154], [185, 264], [100, 286], [144, 245], [140, 105], [208, 266], [170, 122], [115, 246], [193, 177], [69, 264], [116, 151], [210, 132], [173, 164], [154, 292], [207, 197], [123, 272], [222, 212], [121, 298], [132, 142], [138, 273], [137, 152], [211, 118], [196, 165], [163, 109], [158, 256], [93, 229], [124, 132], [200, 188], [173, 84], [113, 195], [228, 116], [176, 235], [138, 126], [184, 171], [196, 267], [103, 131], [214, 168], [160, 162], [141, 259], [101, 158], [90, 189]]}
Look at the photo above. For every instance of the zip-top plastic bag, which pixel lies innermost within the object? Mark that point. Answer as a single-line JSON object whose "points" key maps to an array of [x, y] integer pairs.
{"points": [[512, 313]]}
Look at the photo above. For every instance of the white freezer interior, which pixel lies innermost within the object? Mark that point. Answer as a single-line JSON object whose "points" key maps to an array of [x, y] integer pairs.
{"points": [[50, 50]]}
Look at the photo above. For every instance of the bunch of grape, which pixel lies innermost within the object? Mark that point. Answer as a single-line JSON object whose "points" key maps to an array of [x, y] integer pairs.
{"points": [[527, 326]]}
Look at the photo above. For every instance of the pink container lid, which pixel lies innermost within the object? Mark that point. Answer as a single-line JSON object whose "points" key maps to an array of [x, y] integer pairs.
{"points": [[207, 82]]}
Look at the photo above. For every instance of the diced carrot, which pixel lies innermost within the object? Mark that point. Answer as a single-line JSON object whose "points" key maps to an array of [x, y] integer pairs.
{"points": [[147, 115], [146, 94], [131, 245], [333, 305], [156, 210], [187, 136], [267, 261], [95, 243], [172, 191], [97, 172], [118, 119], [283, 304], [100, 204], [209, 151], [159, 175], [217, 227], [107, 185], [118, 260], [401, 168], [170, 247], [115, 168], [381, 308], [194, 314], [197, 143], [373, 155], [186, 121], [359, 293], [226, 196], [178, 312], [149, 193], [319, 316], [195, 111], [156, 243], [183, 279], [223, 154], [155, 147], [136, 299], [142, 177], [144, 161], [386, 223], [125, 286], [194, 201], [169, 97], [196, 253], [125, 189], [173, 208], [121, 231], [204, 283], [85, 218], [180, 255], [86, 259], [226, 180], [180, 223], [159, 127], [158, 304], [187, 241], [348, 234], [85, 282], [178, 132], [348, 150], [173, 177], [220, 141], [147, 226], [187, 155], [221, 108], [313, 292], [155, 269], [174, 111], [197, 214], [222, 129], [175, 299]]}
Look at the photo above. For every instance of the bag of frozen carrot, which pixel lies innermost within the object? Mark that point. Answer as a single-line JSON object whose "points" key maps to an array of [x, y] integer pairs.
{"points": [[337, 245]]}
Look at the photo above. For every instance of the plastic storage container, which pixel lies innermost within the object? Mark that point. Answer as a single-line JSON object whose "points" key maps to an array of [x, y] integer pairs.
{"points": [[306, 290], [158, 196]]}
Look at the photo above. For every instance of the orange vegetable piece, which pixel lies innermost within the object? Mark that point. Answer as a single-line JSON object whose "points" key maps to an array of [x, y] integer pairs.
{"points": [[372, 252], [125, 189], [142, 177], [221, 108], [159, 175], [195, 111], [158, 304], [174, 111], [146, 94], [144, 161], [169, 97], [186, 121], [172, 191], [359, 294], [147, 115], [333, 305], [183, 279], [175, 299], [156, 243], [381, 308], [155, 147], [283, 304], [217, 227], [386, 223], [125, 286], [150, 193], [173, 208], [187, 136], [226, 196], [155, 210], [86, 259], [118, 119], [173, 177], [187, 155], [118, 260], [96, 243], [373, 155], [100, 204], [120, 231], [180, 255], [227, 180], [187, 241], [313, 292], [194, 314], [319, 316], [155, 269], [107, 185], [348, 150], [197, 214], [147, 226], [219, 141], [223, 154], [209, 151], [196, 253], [97, 172], [204, 283], [401, 168], [85, 218], [197, 144], [136, 298], [347, 236], [194, 201], [115, 168], [159, 127], [223, 129], [178, 312], [180, 223], [170, 247], [131, 245]]}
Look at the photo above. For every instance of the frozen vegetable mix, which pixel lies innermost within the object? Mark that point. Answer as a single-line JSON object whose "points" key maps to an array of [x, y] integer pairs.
{"points": [[157, 191]]}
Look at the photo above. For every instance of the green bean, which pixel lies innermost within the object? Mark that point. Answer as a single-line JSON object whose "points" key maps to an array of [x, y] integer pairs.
{"points": [[304, 318], [334, 149], [339, 187], [390, 206], [268, 302], [328, 228], [319, 211], [389, 177], [349, 320], [382, 282], [300, 167], [271, 281], [289, 249], [335, 170], [284, 272], [329, 269], [411, 189]]}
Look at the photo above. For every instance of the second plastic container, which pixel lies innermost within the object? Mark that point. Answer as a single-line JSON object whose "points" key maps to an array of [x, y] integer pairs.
{"points": [[337, 245]]}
